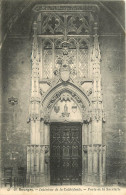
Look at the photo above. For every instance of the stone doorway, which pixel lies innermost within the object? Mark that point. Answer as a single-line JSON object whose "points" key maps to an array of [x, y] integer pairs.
{"points": [[65, 154], [66, 88]]}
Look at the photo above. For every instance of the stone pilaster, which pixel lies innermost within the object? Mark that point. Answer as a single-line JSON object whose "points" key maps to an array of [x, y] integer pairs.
{"points": [[84, 164], [94, 164], [96, 157], [97, 105], [89, 149], [35, 92], [38, 165], [33, 151]]}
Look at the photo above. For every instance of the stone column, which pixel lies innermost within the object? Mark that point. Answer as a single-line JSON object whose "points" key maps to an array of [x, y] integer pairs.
{"points": [[37, 156], [90, 162], [104, 164], [42, 134], [37, 153], [93, 132], [47, 154], [95, 164], [37, 132], [96, 114], [33, 133], [100, 165], [42, 164], [35, 114], [32, 159], [84, 164], [28, 160], [42, 159], [46, 134], [85, 134], [90, 133]]}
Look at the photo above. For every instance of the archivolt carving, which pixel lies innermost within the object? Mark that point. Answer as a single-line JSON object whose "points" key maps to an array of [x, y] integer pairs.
{"points": [[63, 92], [74, 95], [59, 86]]}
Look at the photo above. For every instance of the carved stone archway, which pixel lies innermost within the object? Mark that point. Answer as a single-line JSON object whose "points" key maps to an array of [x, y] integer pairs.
{"points": [[66, 89]]}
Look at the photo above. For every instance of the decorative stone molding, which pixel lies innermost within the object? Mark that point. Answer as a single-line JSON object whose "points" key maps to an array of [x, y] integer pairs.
{"points": [[37, 148], [86, 117], [42, 92], [103, 116], [85, 148], [68, 7], [46, 149], [47, 119], [34, 117], [72, 84], [13, 100], [97, 114], [42, 149], [89, 92], [65, 97], [65, 73], [53, 99], [35, 99]]}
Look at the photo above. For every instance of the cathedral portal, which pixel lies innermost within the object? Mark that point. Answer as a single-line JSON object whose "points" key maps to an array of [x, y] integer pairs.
{"points": [[66, 106]]}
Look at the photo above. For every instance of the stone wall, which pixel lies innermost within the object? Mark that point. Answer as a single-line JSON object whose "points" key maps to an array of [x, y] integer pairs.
{"points": [[16, 71], [113, 82]]}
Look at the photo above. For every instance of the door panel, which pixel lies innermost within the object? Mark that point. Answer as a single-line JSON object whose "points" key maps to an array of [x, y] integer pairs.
{"points": [[66, 154]]}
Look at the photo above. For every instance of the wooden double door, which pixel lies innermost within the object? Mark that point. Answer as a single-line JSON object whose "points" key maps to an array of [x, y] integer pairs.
{"points": [[66, 154]]}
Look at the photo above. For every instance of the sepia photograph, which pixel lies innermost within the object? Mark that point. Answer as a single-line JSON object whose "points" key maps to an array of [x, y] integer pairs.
{"points": [[62, 96]]}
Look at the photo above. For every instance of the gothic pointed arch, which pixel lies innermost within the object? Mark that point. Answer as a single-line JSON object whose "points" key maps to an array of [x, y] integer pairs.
{"points": [[67, 90]]}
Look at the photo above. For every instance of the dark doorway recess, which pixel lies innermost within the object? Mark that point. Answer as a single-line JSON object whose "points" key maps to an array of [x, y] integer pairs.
{"points": [[66, 153]]}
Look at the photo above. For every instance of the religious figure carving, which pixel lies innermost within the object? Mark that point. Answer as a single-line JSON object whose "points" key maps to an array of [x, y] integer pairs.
{"points": [[65, 113]]}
